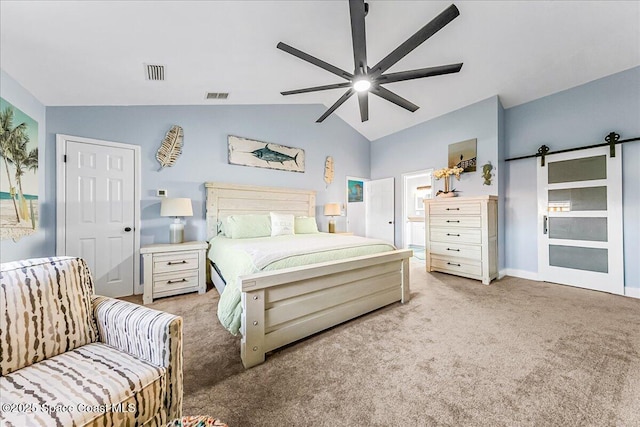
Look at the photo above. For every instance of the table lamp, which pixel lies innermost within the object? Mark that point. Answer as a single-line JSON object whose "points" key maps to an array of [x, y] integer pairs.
{"points": [[176, 208], [332, 209]]}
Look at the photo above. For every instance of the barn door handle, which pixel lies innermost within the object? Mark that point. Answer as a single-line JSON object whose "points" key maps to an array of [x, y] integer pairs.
{"points": [[127, 229], [545, 222]]}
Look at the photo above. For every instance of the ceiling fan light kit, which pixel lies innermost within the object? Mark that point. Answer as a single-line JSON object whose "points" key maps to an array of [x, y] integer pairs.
{"points": [[365, 79], [361, 85]]}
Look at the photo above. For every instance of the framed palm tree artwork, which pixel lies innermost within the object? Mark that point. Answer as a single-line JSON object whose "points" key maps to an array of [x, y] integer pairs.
{"points": [[19, 210]]}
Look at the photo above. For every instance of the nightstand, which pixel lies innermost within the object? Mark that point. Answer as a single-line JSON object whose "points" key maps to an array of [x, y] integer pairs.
{"points": [[172, 269]]}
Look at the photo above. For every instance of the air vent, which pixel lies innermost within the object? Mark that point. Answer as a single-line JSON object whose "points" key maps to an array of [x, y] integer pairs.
{"points": [[155, 72], [217, 95]]}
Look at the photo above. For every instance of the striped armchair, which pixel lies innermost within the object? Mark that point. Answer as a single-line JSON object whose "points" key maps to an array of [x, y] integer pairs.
{"points": [[71, 358]]}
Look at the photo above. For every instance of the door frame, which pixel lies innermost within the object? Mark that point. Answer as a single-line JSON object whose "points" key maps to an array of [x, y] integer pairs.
{"points": [[405, 222], [61, 196], [614, 211]]}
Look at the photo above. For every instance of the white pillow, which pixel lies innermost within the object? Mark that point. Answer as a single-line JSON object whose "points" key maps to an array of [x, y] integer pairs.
{"points": [[281, 224]]}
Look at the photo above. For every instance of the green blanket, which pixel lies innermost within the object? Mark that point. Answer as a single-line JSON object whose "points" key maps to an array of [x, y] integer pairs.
{"points": [[235, 258]]}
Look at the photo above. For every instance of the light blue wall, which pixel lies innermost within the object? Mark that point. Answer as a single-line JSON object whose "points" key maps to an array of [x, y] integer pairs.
{"points": [[580, 116], [42, 242], [572, 118], [426, 145], [204, 154], [500, 173]]}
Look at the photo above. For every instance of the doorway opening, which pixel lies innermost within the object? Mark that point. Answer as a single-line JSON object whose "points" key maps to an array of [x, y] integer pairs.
{"points": [[416, 186]]}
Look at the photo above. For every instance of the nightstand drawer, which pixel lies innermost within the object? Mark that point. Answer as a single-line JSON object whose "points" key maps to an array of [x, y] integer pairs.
{"points": [[171, 281], [456, 250], [454, 208], [453, 235], [166, 263], [455, 221], [457, 265], [173, 268]]}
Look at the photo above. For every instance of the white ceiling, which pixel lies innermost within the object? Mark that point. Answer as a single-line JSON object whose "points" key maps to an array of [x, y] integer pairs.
{"points": [[92, 52]]}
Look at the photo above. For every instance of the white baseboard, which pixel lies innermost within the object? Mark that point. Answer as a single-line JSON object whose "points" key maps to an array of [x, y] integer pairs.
{"points": [[530, 275], [632, 292], [523, 274]]}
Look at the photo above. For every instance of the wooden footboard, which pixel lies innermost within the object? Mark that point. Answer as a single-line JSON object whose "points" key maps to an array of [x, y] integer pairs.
{"points": [[283, 306]]}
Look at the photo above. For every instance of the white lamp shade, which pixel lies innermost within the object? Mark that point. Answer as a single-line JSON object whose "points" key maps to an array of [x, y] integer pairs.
{"points": [[332, 209], [176, 207]]}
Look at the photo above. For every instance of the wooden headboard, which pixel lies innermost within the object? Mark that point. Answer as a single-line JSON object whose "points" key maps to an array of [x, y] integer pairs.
{"points": [[232, 199]]}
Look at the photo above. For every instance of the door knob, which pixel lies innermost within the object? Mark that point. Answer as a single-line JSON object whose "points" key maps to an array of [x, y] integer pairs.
{"points": [[127, 229]]}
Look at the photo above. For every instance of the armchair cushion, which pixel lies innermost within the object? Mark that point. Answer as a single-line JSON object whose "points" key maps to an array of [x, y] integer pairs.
{"points": [[94, 385], [47, 310]]}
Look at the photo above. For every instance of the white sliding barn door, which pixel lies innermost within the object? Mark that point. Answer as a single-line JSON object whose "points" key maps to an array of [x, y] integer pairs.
{"points": [[98, 204], [580, 219], [379, 206]]}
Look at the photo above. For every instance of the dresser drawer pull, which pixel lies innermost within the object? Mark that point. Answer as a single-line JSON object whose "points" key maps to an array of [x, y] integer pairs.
{"points": [[176, 262], [453, 209], [454, 235], [171, 282], [452, 220], [452, 263], [450, 249]]}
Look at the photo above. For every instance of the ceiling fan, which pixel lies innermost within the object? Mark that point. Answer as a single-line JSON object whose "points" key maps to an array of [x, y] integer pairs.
{"points": [[365, 79]]}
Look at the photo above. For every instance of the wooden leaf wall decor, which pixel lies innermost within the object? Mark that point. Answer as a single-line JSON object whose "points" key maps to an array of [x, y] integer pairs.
{"points": [[171, 147], [328, 170]]}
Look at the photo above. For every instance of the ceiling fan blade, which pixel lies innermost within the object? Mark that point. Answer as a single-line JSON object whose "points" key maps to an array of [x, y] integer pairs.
{"points": [[315, 61], [392, 97], [316, 88], [338, 103], [363, 100], [357, 11], [420, 73], [436, 24]]}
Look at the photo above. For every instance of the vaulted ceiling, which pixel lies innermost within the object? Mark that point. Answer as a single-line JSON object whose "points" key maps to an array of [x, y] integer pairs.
{"points": [[93, 52]]}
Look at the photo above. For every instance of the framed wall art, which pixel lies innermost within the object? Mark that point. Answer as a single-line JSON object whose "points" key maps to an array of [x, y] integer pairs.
{"points": [[463, 155], [249, 152], [355, 191], [19, 209]]}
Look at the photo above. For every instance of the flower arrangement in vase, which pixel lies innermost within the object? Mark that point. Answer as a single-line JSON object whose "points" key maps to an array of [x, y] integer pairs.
{"points": [[445, 173]]}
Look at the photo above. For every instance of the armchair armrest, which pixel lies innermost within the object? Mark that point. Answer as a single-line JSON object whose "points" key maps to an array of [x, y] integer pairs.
{"points": [[150, 335]]}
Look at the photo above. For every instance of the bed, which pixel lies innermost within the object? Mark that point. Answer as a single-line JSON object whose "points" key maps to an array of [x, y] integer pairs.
{"points": [[283, 305]]}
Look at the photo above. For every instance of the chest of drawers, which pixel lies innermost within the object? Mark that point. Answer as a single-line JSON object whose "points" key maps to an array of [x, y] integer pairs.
{"points": [[172, 269], [461, 236]]}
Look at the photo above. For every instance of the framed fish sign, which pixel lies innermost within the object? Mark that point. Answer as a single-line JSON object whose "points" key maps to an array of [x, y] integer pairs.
{"points": [[248, 152]]}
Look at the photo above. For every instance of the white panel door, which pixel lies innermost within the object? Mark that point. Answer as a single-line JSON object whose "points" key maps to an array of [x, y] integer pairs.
{"points": [[580, 219], [379, 207], [100, 208]]}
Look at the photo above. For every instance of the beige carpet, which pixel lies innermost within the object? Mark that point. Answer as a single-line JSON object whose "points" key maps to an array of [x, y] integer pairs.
{"points": [[515, 353]]}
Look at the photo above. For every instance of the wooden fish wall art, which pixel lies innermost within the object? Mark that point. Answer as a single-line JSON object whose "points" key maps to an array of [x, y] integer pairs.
{"points": [[171, 147], [249, 152]]}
